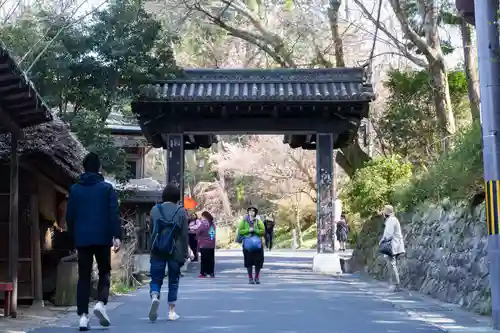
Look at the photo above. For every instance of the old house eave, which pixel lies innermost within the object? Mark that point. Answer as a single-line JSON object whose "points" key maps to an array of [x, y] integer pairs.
{"points": [[21, 105]]}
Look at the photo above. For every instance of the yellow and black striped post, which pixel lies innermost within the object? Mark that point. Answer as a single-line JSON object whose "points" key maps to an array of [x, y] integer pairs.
{"points": [[492, 190], [488, 48]]}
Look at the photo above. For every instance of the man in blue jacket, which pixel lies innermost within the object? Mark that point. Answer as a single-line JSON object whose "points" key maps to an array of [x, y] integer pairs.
{"points": [[94, 223]]}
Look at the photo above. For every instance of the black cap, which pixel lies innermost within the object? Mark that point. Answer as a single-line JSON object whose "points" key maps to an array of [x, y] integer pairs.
{"points": [[254, 209]]}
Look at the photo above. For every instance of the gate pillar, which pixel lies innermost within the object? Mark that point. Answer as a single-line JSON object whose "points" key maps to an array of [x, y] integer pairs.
{"points": [[326, 261], [324, 195], [175, 161]]}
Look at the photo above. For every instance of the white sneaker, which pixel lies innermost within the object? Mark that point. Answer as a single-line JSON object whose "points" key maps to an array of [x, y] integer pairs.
{"points": [[173, 316], [100, 313], [84, 323], [153, 310]]}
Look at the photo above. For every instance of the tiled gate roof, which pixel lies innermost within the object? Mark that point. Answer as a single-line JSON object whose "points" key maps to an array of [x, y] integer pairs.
{"points": [[241, 85]]}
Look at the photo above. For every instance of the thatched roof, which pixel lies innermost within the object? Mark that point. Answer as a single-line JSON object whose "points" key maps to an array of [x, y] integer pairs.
{"points": [[52, 146]]}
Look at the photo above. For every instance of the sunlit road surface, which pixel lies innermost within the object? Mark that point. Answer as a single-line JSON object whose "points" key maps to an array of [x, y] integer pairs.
{"points": [[291, 299], [282, 253]]}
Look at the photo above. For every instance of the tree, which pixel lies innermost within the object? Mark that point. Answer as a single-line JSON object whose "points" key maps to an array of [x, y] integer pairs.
{"points": [[85, 67], [408, 125], [215, 193], [419, 20], [279, 173], [451, 17], [374, 186], [290, 34], [281, 170]]}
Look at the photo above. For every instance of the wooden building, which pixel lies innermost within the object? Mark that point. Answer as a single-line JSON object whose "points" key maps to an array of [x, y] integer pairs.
{"points": [[140, 193], [49, 162], [127, 135], [20, 107]]}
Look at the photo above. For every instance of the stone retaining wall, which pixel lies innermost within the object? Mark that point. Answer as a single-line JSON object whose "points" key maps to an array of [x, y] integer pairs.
{"points": [[446, 254]]}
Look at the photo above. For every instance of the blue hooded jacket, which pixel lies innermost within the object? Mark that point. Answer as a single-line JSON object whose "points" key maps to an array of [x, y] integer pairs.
{"points": [[92, 213]]}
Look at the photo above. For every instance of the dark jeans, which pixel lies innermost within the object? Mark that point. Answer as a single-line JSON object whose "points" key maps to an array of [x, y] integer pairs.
{"points": [[102, 254], [193, 245], [157, 272], [269, 240], [207, 264]]}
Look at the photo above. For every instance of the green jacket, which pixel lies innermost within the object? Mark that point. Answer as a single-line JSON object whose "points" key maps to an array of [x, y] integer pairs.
{"points": [[244, 227]]}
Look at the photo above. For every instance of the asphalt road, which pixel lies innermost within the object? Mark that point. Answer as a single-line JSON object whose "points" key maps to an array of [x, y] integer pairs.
{"points": [[291, 299]]}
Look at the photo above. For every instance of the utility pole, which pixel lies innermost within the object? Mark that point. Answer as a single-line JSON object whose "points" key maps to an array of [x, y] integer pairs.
{"points": [[488, 49]]}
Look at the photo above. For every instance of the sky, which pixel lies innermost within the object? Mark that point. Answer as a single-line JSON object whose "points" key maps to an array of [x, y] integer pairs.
{"points": [[84, 6], [352, 15]]}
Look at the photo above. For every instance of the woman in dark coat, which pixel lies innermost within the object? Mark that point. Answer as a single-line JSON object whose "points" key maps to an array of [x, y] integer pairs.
{"points": [[342, 231]]}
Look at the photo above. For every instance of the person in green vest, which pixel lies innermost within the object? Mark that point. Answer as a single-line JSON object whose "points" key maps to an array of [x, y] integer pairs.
{"points": [[251, 229]]}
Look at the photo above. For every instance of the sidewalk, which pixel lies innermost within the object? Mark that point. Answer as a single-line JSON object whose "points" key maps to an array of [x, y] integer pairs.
{"points": [[29, 318], [448, 317]]}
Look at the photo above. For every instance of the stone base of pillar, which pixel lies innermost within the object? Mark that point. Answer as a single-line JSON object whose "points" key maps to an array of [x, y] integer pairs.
{"points": [[327, 264], [38, 304]]}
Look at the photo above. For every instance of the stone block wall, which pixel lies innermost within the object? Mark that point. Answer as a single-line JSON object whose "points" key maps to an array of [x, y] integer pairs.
{"points": [[446, 255]]}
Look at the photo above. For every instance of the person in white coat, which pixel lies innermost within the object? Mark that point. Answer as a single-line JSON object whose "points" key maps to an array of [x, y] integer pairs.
{"points": [[393, 232]]}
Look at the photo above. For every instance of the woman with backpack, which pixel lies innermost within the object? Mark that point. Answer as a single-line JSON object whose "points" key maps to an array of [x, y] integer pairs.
{"points": [[342, 231], [205, 233], [250, 232], [169, 249]]}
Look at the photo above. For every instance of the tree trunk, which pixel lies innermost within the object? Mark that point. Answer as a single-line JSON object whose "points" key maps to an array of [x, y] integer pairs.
{"points": [[352, 158], [470, 68], [333, 16], [274, 46], [442, 98], [226, 203], [298, 226]]}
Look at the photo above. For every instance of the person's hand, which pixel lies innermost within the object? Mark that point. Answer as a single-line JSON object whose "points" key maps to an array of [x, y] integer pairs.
{"points": [[251, 229], [116, 244]]}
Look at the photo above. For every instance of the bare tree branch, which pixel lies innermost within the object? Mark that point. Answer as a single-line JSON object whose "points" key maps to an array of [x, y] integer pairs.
{"points": [[260, 41], [401, 46]]}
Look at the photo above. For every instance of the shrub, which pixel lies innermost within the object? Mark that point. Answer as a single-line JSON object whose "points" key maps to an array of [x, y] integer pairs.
{"points": [[373, 185], [456, 175]]}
